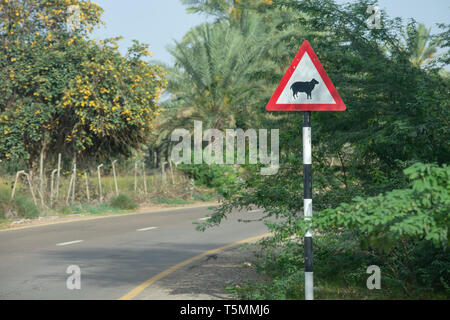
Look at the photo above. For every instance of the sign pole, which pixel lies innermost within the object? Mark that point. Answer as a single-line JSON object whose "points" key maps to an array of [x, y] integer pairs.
{"points": [[306, 87], [307, 203]]}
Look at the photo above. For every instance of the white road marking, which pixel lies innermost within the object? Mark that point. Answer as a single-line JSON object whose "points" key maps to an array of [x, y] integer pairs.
{"points": [[69, 243], [254, 211], [203, 219], [147, 229]]}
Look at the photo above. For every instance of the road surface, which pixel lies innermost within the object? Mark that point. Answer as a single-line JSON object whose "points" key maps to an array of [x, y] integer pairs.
{"points": [[114, 254]]}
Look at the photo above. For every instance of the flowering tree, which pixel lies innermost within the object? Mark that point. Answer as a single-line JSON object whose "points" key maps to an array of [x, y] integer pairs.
{"points": [[61, 92]]}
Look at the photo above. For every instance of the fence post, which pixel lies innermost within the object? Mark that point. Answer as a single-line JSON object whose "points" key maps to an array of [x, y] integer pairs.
{"points": [[163, 172], [192, 187], [135, 176], [51, 187], [41, 177], [115, 178], [58, 176], [87, 187], [100, 183], [15, 183], [74, 178], [70, 188], [145, 178], [171, 172], [31, 187]]}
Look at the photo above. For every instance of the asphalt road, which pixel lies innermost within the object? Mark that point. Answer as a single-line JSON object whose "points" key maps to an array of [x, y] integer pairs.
{"points": [[114, 254]]}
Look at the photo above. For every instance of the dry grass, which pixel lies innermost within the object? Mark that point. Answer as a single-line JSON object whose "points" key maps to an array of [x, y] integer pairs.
{"points": [[157, 190]]}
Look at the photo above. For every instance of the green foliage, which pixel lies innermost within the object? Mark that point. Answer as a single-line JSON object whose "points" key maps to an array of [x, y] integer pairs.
{"points": [[205, 197], [222, 72], [220, 177], [367, 208], [171, 201], [397, 115], [404, 232], [62, 92], [420, 212], [411, 271], [418, 42], [213, 65], [19, 207], [25, 207], [89, 209], [123, 202]]}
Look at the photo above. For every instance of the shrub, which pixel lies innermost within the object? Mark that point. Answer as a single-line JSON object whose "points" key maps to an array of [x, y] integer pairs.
{"points": [[171, 201], [19, 207], [417, 213], [25, 208], [205, 197], [404, 232], [124, 202], [211, 176]]}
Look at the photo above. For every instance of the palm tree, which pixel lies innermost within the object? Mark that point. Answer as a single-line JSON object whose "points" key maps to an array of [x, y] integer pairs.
{"points": [[214, 78], [420, 45], [224, 71], [224, 10]]}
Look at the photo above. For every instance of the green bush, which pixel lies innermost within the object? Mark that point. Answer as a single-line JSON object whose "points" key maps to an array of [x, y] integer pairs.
{"points": [[211, 176], [420, 212], [205, 197], [20, 207], [25, 207], [171, 201], [124, 202], [404, 232]]}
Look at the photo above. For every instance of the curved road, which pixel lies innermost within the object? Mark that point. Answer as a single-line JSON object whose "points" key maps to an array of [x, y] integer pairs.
{"points": [[115, 254]]}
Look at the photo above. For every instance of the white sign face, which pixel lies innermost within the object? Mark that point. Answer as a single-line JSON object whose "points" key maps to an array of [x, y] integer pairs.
{"points": [[306, 86]]}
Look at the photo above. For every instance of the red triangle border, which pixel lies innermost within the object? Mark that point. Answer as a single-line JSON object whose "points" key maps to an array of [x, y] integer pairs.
{"points": [[273, 106]]}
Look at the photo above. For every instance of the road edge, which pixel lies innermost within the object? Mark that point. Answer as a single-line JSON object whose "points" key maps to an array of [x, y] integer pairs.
{"points": [[88, 218], [137, 290]]}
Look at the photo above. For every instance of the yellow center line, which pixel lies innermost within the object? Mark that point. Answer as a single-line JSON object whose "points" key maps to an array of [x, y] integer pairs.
{"points": [[133, 293]]}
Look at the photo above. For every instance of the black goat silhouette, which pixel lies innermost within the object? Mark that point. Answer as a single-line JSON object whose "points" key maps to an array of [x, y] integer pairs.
{"points": [[306, 87]]}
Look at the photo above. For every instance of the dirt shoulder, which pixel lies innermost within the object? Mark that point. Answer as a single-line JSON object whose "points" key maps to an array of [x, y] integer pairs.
{"points": [[49, 220], [207, 278]]}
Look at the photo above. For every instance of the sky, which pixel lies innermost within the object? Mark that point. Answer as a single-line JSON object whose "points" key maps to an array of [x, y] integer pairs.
{"points": [[161, 22]]}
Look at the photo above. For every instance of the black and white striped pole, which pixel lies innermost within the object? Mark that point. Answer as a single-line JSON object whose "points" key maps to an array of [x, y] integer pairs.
{"points": [[306, 67], [307, 204]]}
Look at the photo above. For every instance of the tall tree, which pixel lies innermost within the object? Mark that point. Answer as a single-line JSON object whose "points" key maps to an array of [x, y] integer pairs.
{"points": [[397, 114], [420, 45], [222, 69], [62, 92]]}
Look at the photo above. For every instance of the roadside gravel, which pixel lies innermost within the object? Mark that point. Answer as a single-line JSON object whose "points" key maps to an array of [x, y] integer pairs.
{"points": [[207, 278]]}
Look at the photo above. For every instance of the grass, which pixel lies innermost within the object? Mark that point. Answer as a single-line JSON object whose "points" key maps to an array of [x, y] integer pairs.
{"points": [[341, 274], [19, 207], [293, 289], [100, 209], [157, 192], [172, 201], [123, 202]]}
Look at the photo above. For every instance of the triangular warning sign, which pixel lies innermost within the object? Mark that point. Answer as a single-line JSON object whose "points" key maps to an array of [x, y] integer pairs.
{"points": [[306, 86]]}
